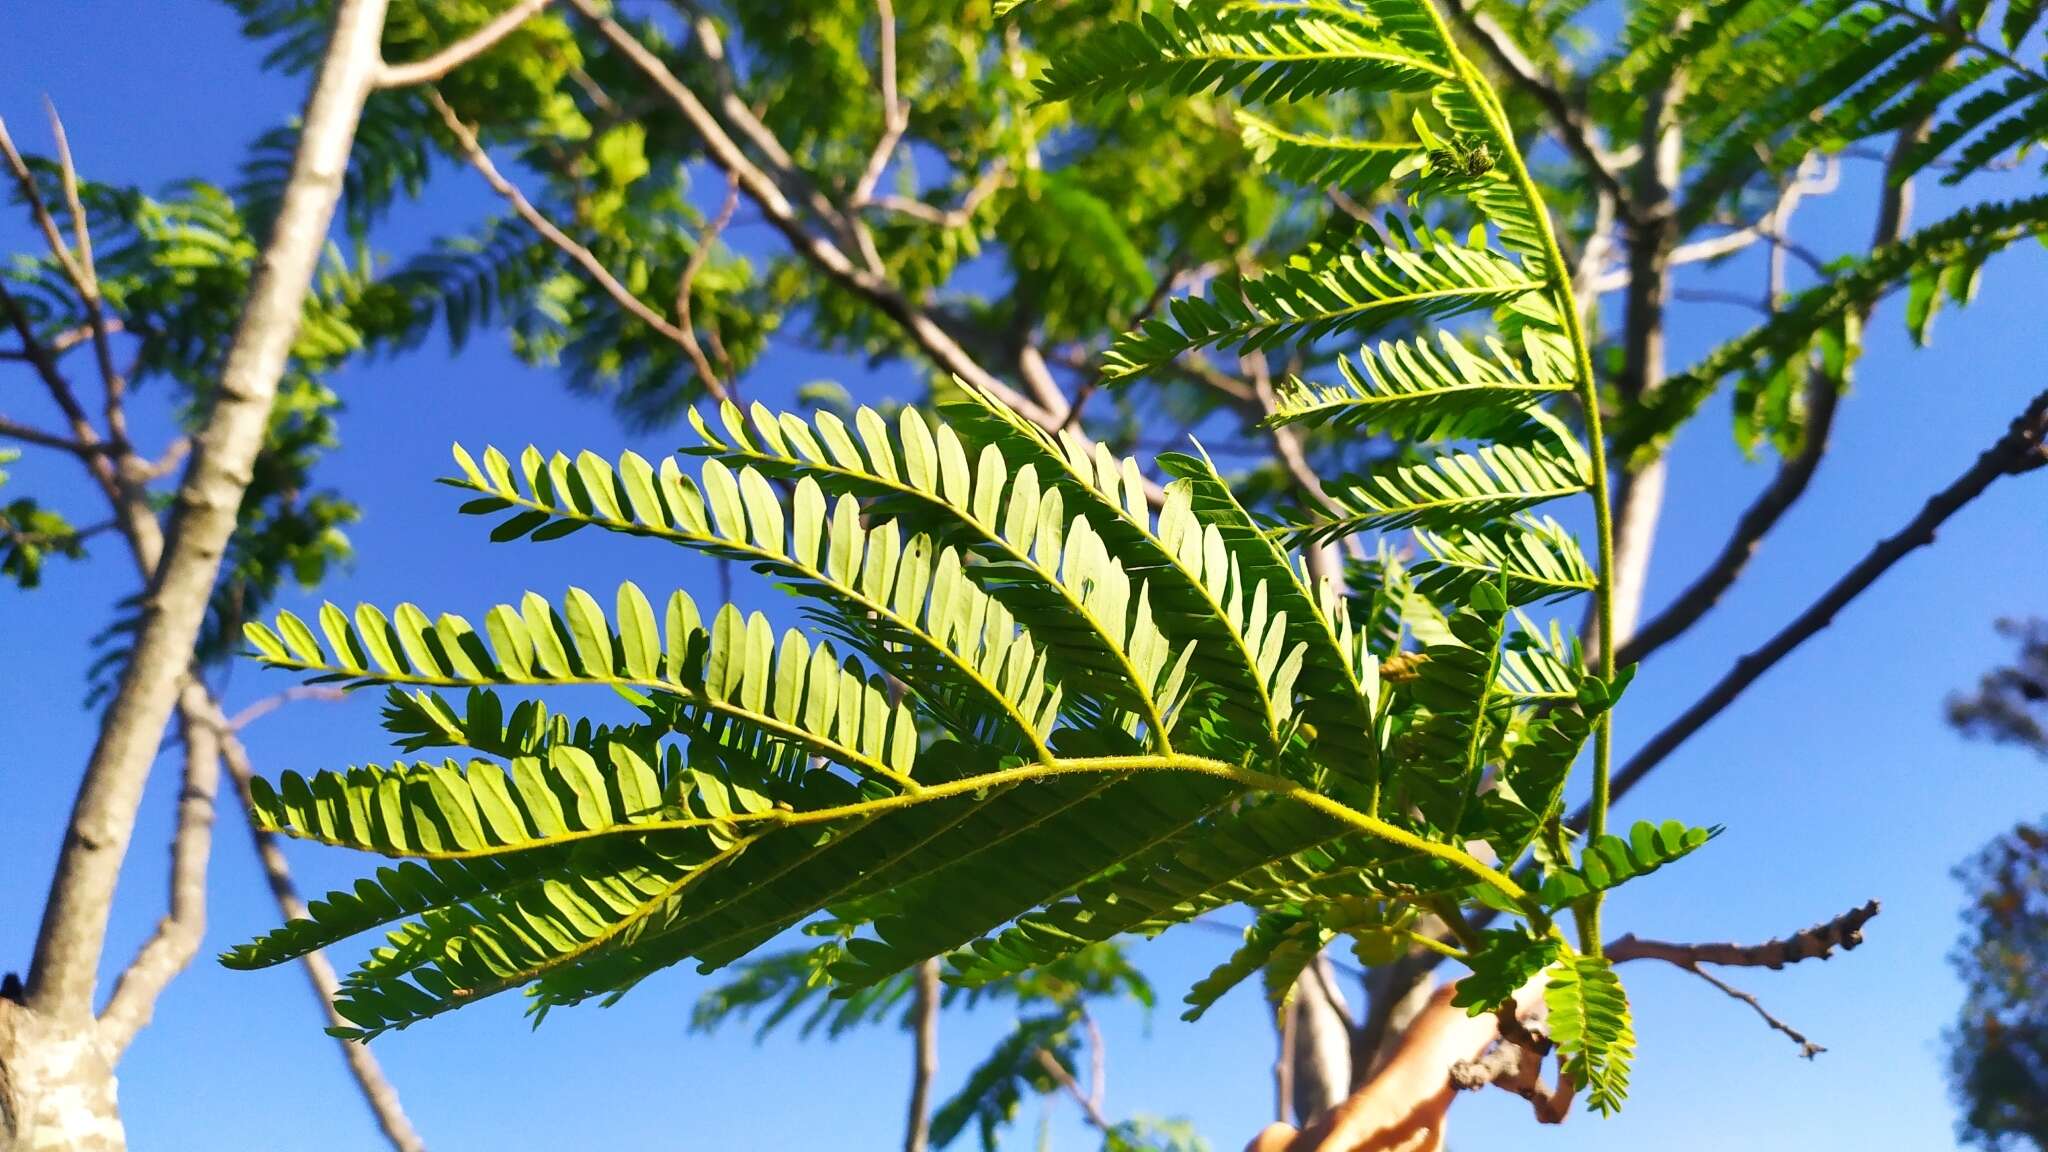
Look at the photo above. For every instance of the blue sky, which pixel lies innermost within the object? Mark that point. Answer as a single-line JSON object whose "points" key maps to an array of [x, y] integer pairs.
{"points": [[1836, 777]]}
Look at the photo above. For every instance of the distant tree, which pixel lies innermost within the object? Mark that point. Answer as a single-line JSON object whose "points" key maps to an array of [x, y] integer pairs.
{"points": [[1998, 1051]]}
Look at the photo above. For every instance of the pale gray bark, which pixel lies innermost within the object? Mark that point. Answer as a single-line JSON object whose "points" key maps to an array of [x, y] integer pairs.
{"points": [[925, 1061], [1321, 1074], [56, 1060]]}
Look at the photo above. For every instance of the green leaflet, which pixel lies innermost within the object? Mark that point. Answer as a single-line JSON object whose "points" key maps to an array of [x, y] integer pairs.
{"points": [[1611, 861], [1590, 1023]]}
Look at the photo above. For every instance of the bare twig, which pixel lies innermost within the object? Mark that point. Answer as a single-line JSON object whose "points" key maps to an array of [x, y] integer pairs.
{"points": [[1756, 522], [462, 51], [272, 703], [480, 160], [958, 216], [87, 282], [29, 434], [1820, 942], [2019, 450], [39, 210], [1807, 1048], [895, 113], [1059, 1073], [685, 318]]}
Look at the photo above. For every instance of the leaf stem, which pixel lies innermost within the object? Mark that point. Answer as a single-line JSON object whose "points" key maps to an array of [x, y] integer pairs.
{"points": [[1022, 773], [1557, 278]]}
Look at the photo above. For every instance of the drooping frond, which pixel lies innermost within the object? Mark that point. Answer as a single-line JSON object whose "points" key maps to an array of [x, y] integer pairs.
{"points": [[1589, 1022]]}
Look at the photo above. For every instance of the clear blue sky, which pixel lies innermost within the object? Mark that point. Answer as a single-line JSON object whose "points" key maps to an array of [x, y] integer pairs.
{"points": [[1836, 778]]}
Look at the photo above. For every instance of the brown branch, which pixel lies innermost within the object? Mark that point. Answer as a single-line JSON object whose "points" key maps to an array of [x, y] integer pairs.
{"points": [[273, 702], [958, 216], [461, 52], [1756, 522], [2018, 451], [1515, 1064], [175, 941], [369, 1076], [1807, 1048], [53, 236], [925, 1062], [29, 434], [1823, 397], [480, 160], [1820, 942]]}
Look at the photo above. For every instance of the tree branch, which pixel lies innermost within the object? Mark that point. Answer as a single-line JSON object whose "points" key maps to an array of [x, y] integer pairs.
{"points": [[1763, 514], [2018, 451], [1820, 942], [461, 52], [176, 940], [64, 968], [1058, 1071], [28, 434], [686, 323]]}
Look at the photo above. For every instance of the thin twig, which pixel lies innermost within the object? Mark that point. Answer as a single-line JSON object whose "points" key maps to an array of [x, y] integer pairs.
{"points": [[1807, 1048], [473, 150], [961, 214], [685, 319], [87, 282], [1059, 1073], [29, 434], [462, 51], [895, 113], [272, 703]]}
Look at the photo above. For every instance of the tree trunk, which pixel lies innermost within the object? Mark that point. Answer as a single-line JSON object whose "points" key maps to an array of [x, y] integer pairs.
{"points": [[56, 1062], [1321, 1073]]}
